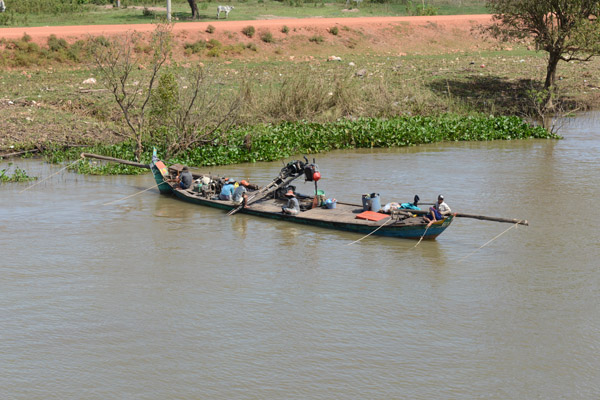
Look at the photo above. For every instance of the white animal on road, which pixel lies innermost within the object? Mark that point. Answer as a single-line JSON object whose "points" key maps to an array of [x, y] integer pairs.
{"points": [[224, 9]]}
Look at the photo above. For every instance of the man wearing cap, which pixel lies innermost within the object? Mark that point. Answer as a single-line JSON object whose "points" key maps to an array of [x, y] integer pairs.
{"points": [[442, 207], [438, 211], [227, 191], [240, 195], [293, 207]]}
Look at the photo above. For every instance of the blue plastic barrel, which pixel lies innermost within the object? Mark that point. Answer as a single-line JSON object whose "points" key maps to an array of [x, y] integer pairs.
{"points": [[375, 202]]}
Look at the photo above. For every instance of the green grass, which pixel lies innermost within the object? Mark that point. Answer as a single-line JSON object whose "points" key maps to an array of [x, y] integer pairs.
{"points": [[244, 10]]}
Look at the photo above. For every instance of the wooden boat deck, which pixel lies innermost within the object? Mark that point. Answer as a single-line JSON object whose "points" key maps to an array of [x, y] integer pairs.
{"points": [[344, 213]]}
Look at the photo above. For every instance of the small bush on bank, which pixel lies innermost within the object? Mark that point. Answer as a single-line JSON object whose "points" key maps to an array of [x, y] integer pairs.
{"points": [[194, 48], [249, 31], [267, 37]]}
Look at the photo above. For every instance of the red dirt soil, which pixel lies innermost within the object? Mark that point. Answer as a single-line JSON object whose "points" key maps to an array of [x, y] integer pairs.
{"points": [[72, 33]]}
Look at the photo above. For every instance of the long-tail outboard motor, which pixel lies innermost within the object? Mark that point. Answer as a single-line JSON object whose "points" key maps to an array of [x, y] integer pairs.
{"points": [[311, 171]]}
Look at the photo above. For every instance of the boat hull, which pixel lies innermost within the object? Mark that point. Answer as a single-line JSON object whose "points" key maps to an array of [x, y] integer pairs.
{"points": [[343, 219]]}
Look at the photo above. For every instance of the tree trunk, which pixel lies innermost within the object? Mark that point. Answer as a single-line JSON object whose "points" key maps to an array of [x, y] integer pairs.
{"points": [[553, 59], [194, 7], [139, 148]]}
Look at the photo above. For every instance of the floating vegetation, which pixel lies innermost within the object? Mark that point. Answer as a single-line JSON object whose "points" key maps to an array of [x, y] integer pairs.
{"points": [[18, 175]]}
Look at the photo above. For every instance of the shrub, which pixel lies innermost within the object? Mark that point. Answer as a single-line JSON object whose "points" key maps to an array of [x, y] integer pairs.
{"points": [[213, 44], [194, 48], [55, 44], [210, 29], [249, 31], [285, 29], [316, 39], [146, 12], [267, 37], [252, 47], [334, 30], [215, 52]]}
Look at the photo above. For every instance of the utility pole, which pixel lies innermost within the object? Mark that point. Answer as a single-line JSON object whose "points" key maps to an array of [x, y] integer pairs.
{"points": [[169, 10], [118, 3]]}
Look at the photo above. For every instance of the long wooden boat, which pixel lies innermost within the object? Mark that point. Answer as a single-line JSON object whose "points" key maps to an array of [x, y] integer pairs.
{"points": [[342, 217]]}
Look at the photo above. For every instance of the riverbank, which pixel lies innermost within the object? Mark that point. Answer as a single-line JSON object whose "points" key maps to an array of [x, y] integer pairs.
{"points": [[425, 66]]}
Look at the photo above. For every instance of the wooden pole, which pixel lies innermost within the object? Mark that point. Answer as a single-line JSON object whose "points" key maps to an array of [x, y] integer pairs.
{"points": [[495, 219], [117, 160]]}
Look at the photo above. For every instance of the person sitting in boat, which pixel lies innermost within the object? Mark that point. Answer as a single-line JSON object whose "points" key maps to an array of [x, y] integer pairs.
{"points": [[228, 189], [438, 211], [292, 207], [240, 194], [185, 179]]}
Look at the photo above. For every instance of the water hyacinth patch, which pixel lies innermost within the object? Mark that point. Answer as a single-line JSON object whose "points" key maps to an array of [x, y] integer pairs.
{"points": [[272, 142]]}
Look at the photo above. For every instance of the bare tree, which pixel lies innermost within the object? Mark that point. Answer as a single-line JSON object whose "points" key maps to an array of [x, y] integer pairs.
{"points": [[190, 110], [117, 63]]}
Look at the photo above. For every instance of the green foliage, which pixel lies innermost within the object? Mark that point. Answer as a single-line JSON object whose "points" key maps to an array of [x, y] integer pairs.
{"points": [[210, 29], [267, 37], [273, 142], [55, 44], [195, 48], [164, 101], [417, 9], [249, 31], [25, 53], [46, 6], [334, 30], [7, 18], [146, 12], [285, 29], [212, 43], [19, 175], [318, 39]]}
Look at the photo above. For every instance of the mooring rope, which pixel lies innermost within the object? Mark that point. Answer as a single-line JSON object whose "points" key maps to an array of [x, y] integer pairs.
{"points": [[423, 235], [490, 241], [366, 236], [50, 176], [131, 195]]}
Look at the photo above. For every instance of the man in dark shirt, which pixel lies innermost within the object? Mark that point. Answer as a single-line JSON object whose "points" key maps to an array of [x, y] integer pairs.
{"points": [[185, 179]]}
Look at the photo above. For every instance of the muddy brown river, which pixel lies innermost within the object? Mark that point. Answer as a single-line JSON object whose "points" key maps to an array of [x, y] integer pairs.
{"points": [[153, 298]]}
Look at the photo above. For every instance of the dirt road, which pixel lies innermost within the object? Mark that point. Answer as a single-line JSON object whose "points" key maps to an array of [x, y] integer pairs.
{"points": [[71, 33]]}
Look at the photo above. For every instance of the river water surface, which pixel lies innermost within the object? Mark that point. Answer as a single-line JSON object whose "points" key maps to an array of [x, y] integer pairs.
{"points": [[153, 298]]}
